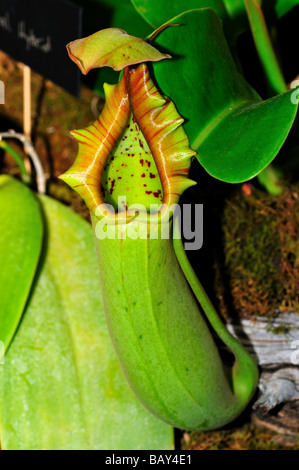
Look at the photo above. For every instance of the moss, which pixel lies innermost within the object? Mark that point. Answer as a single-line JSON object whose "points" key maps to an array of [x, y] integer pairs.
{"points": [[247, 437], [280, 330], [261, 253]]}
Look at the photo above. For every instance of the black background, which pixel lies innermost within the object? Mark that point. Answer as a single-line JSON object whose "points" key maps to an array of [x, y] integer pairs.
{"points": [[58, 19]]}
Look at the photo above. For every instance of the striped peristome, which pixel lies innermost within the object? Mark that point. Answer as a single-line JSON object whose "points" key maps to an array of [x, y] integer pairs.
{"points": [[159, 122]]}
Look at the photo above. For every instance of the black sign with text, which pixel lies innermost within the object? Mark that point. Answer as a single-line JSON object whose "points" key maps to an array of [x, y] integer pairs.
{"points": [[36, 33]]}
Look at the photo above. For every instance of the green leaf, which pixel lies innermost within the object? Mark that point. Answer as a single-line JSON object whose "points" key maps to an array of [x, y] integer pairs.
{"points": [[61, 386], [264, 46], [111, 47], [119, 14], [232, 12], [235, 133], [281, 7], [21, 230]]}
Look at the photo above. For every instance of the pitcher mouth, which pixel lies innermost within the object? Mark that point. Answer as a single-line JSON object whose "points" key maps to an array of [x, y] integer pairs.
{"points": [[134, 99]]}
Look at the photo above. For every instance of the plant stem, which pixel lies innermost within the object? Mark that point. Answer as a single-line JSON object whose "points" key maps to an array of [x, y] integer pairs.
{"points": [[199, 291], [264, 46], [244, 373]]}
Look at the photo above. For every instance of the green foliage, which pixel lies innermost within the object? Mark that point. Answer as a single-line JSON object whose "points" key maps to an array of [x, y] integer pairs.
{"points": [[160, 337], [264, 46], [235, 133], [21, 233], [246, 437], [18, 159], [162, 340]]}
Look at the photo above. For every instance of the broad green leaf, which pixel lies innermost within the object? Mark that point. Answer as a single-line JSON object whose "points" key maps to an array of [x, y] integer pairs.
{"points": [[21, 231], [61, 386], [232, 12], [111, 47], [235, 134], [124, 16]]}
